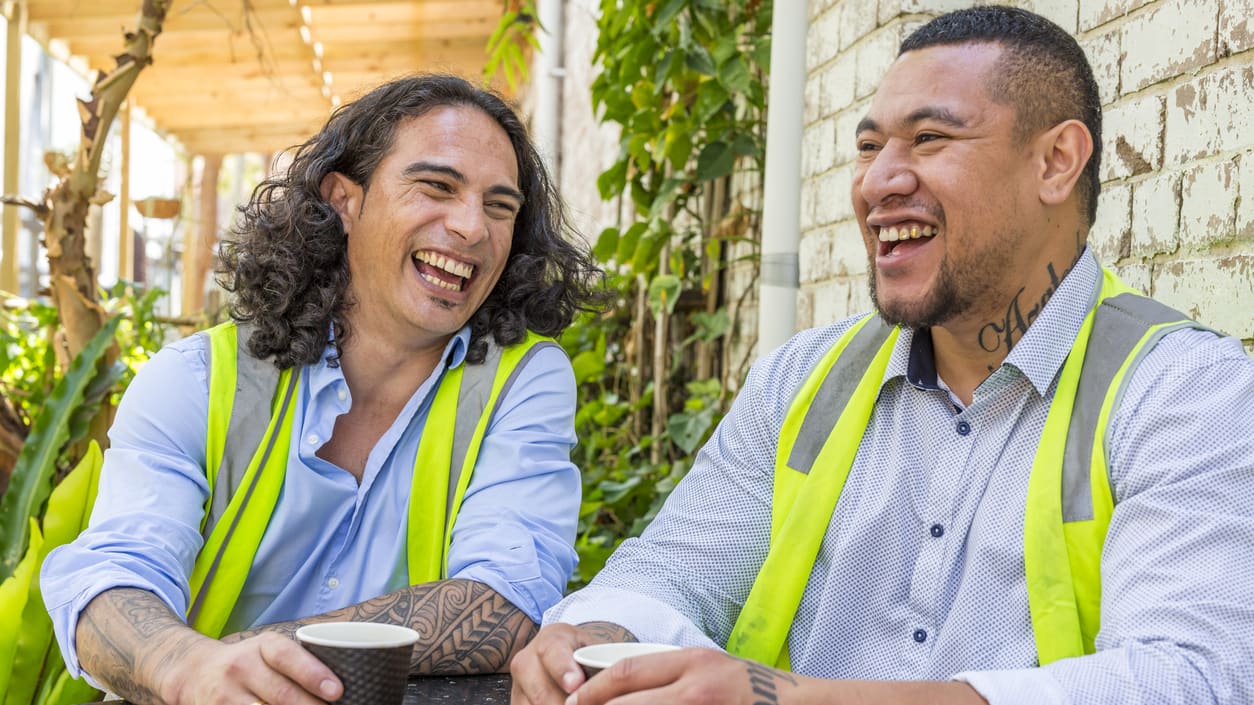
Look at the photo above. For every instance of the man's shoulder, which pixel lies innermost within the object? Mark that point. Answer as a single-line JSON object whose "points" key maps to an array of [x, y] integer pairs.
{"points": [[797, 357]]}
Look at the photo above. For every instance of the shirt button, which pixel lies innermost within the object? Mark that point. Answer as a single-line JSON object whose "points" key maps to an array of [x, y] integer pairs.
{"points": [[312, 439], [333, 583], [937, 531], [920, 635], [342, 394], [963, 428]]}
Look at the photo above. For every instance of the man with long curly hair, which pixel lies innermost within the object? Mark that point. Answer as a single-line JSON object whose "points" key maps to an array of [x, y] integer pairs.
{"points": [[381, 433]]}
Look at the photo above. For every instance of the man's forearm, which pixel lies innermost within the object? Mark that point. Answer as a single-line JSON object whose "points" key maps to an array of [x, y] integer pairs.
{"points": [[466, 627], [127, 640]]}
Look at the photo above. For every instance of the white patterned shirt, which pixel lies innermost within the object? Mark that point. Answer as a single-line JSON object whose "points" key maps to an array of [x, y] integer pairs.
{"points": [[921, 576]]}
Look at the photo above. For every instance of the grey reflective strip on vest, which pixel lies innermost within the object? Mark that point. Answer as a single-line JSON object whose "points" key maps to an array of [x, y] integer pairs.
{"points": [[472, 398], [834, 393], [255, 384], [1119, 324], [265, 457]]}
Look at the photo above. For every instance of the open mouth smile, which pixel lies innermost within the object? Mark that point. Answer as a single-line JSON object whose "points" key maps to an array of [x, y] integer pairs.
{"points": [[442, 271], [892, 236]]}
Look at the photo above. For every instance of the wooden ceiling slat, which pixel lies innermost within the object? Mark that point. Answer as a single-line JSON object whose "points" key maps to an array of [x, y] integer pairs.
{"points": [[404, 12], [220, 89], [452, 29]]}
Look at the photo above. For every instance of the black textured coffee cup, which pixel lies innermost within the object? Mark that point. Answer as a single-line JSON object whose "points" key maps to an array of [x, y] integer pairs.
{"points": [[371, 660]]}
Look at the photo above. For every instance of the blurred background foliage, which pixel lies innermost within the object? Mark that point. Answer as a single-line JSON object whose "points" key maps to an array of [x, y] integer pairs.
{"points": [[685, 81]]}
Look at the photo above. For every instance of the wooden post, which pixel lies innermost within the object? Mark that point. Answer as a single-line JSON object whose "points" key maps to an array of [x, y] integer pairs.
{"points": [[198, 257], [14, 12], [126, 242]]}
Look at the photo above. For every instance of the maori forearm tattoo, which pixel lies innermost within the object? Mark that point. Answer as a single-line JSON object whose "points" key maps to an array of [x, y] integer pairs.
{"points": [[466, 627], [765, 682], [607, 632], [128, 639]]}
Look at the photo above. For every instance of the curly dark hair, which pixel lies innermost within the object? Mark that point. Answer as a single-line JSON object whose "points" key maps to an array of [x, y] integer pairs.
{"points": [[1042, 72], [286, 259]]}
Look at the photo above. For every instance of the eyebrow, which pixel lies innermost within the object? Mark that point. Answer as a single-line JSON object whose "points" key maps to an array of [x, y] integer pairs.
{"points": [[427, 167], [929, 112]]}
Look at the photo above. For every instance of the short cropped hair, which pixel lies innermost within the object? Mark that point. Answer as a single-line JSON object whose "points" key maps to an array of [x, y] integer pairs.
{"points": [[1043, 73]]}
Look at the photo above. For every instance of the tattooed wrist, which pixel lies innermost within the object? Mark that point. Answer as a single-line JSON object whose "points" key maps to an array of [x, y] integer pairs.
{"points": [[766, 682], [607, 631], [131, 642], [466, 626]]}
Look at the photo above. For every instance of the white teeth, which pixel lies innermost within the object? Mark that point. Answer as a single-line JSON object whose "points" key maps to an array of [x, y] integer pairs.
{"points": [[914, 232], [452, 266], [440, 282]]}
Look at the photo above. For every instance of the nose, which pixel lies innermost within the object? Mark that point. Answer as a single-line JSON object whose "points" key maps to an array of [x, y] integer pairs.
{"points": [[889, 174], [465, 218]]}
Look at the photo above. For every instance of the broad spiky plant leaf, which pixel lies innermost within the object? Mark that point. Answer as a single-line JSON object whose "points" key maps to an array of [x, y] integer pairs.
{"points": [[32, 474]]}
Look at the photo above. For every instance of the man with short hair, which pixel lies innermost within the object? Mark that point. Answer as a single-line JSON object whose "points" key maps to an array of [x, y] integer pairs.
{"points": [[1017, 482], [382, 433]]}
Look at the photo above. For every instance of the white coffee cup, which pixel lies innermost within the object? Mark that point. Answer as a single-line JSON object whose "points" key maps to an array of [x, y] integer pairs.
{"points": [[599, 657]]}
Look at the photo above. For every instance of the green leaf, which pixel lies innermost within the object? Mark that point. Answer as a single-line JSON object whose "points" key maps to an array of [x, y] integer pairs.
{"points": [[611, 181], [15, 594], [664, 292], [734, 75], [588, 365], [745, 146], [698, 59], [665, 195], [32, 474], [607, 242], [678, 145], [646, 260], [663, 71], [716, 159], [711, 98], [630, 240], [668, 12], [615, 491], [687, 430], [71, 501]]}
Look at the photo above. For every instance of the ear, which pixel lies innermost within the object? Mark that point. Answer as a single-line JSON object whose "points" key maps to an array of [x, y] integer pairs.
{"points": [[344, 195], [1064, 151]]}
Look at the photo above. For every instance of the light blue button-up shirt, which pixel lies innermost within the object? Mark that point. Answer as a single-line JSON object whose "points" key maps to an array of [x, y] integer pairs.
{"points": [[331, 542], [920, 575]]}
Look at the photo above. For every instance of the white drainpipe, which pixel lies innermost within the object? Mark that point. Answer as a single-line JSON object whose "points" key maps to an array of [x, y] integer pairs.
{"points": [[781, 216], [546, 127]]}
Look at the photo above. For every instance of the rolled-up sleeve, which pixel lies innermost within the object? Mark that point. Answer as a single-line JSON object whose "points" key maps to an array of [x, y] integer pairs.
{"points": [[515, 531], [144, 530]]}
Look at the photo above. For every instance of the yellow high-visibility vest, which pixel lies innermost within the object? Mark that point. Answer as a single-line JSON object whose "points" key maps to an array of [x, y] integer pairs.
{"points": [[1069, 500], [251, 415]]}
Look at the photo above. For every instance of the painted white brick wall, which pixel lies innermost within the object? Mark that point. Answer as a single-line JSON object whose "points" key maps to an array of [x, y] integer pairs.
{"points": [[1177, 210]]}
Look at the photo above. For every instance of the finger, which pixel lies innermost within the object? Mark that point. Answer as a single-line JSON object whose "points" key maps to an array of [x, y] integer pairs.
{"points": [[557, 657], [532, 682], [633, 675], [298, 668]]}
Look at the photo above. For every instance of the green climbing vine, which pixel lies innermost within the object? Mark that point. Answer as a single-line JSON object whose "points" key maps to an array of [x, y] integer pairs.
{"points": [[685, 80]]}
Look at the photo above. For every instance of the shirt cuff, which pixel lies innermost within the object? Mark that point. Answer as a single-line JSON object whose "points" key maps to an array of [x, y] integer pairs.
{"points": [[646, 618], [1024, 686]]}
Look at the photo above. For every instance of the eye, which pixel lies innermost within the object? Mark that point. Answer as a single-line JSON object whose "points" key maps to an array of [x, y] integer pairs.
{"points": [[502, 209], [441, 186], [867, 147], [924, 137]]}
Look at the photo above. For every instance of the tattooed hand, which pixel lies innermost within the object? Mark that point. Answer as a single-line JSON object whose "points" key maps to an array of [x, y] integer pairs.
{"points": [[134, 645], [545, 672], [690, 676]]}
